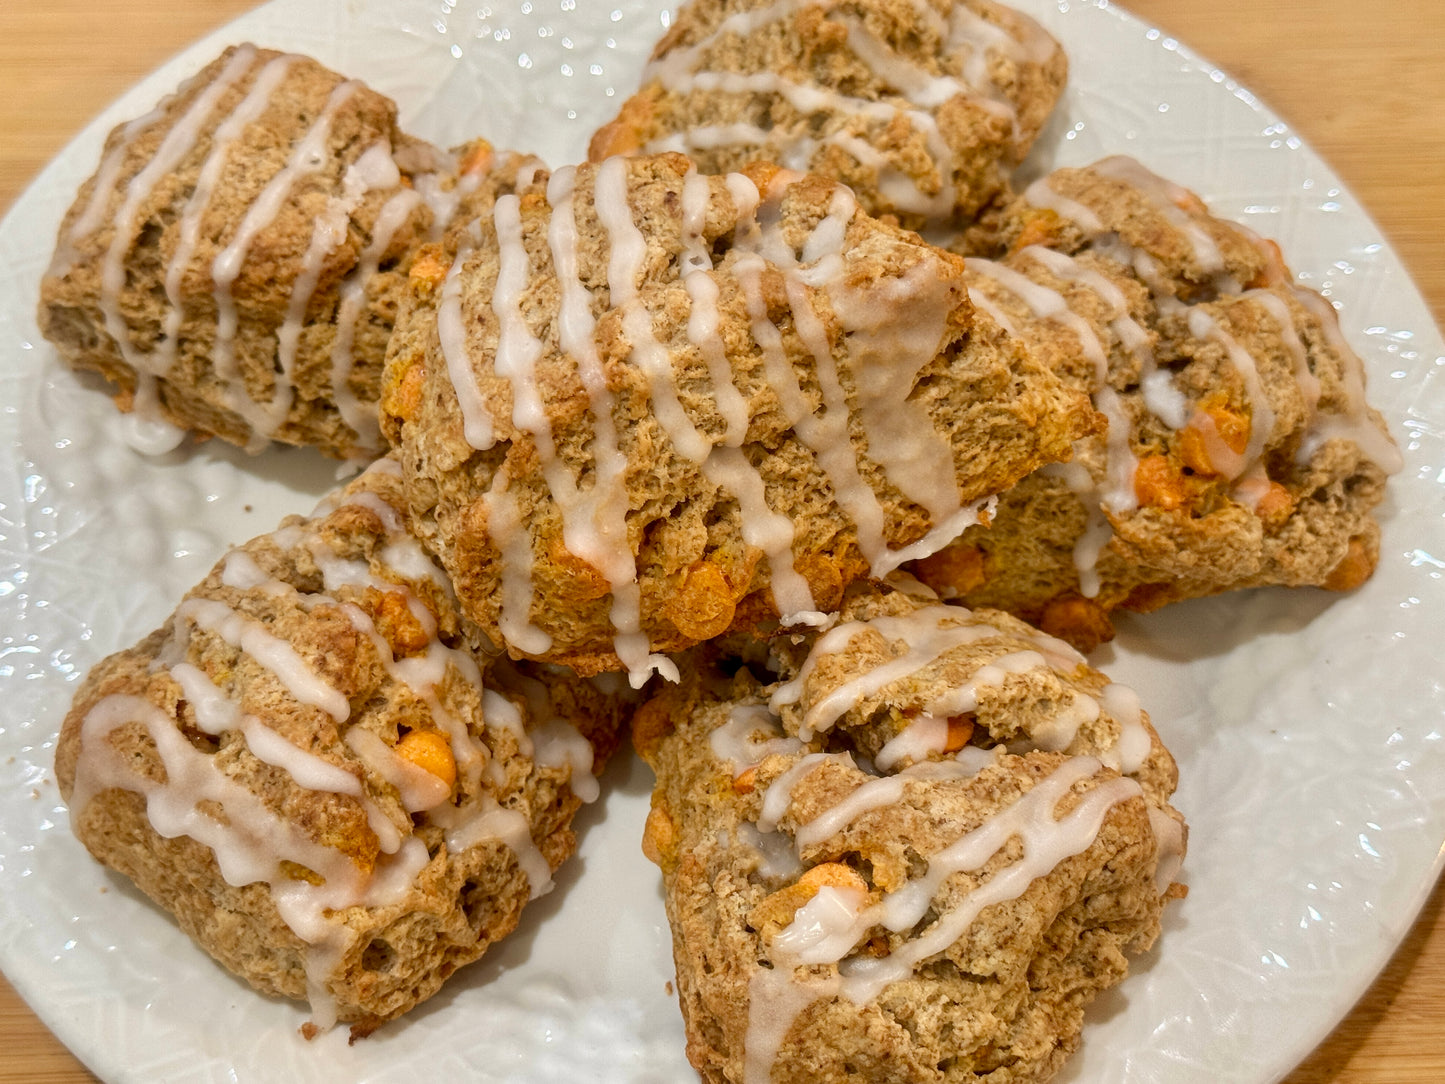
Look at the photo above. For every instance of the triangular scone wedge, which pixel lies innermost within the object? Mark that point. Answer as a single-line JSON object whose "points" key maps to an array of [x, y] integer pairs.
{"points": [[310, 767], [923, 109], [911, 848], [643, 406], [1240, 450]]}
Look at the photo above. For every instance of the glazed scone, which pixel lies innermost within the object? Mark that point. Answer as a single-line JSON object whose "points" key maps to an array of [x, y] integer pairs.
{"points": [[310, 768], [912, 848], [922, 108], [1240, 450], [235, 264], [644, 406]]}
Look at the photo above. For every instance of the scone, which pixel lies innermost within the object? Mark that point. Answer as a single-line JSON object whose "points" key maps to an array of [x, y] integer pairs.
{"points": [[235, 264], [922, 107], [1240, 450], [911, 848], [311, 769], [643, 406]]}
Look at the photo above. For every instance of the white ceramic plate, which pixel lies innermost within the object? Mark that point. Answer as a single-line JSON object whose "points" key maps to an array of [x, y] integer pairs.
{"points": [[1307, 726]]}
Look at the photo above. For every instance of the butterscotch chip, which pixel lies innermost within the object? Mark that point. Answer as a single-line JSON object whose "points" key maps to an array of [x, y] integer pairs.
{"points": [[1080, 621], [1355, 567]]}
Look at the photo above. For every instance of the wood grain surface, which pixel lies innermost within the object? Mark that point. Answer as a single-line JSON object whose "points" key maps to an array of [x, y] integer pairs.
{"points": [[1363, 83]]}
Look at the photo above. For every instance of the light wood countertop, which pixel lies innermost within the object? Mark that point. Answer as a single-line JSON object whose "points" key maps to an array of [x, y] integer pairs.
{"points": [[1363, 83]]}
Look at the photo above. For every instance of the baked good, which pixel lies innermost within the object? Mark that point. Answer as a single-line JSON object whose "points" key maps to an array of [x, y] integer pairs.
{"points": [[642, 406], [1239, 451], [922, 108], [911, 848], [235, 263], [311, 768]]}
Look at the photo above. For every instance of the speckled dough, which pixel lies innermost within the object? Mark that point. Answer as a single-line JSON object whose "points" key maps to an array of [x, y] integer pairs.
{"points": [[946, 918], [645, 406], [313, 771], [1240, 450], [235, 264], [922, 108]]}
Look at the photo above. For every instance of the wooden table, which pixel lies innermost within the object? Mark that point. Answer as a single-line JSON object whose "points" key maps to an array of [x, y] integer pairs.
{"points": [[1363, 83]]}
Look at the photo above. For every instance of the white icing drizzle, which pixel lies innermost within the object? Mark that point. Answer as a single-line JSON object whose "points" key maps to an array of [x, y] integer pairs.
{"points": [[1304, 377], [1097, 529], [514, 545], [510, 827], [775, 1000], [177, 143], [826, 928], [555, 742], [1047, 841], [776, 857], [147, 429], [1204, 326], [1169, 835], [626, 265], [418, 788], [357, 413], [750, 735], [925, 736], [1130, 751], [822, 930], [1169, 199], [887, 357], [307, 156], [1117, 492], [779, 794], [1354, 422], [927, 634], [250, 843], [92, 215], [595, 527], [452, 337], [702, 321], [1040, 194], [558, 744], [246, 634]]}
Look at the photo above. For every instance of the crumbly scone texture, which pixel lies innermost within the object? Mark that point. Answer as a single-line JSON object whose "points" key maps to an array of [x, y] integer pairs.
{"points": [[922, 109], [745, 826], [235, 264], [720, 383], [310, 768], [1240, 450]]}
